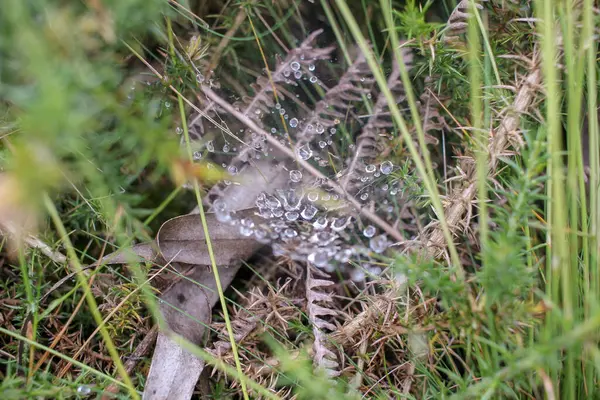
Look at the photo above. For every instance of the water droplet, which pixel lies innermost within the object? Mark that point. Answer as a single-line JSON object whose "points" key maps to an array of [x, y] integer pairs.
{"points": [[322, 144], [295, 66], [311, 67], [232, 169], [369, 231], [386, 167], [379, 243], [320, 129], [261, 235], [294, 122], [343, 256], [221, 212], [210, 146], [277, 106], [246, 227], [313, 79], [286, 73], [197, 155], [320, 223], [332, 131], [273, 130], [364, 196], [309, 212], [291, 201], [282, 112], [305, 152], [167, 104], [312, 196], [225, 148], [368, 95], [298, 74], [290, 233], [295, 175], [319, 258], [272, 201], [199, 78], [357, 275], [84, 390], [178, 130], [370, 168], [340, 224], [291, 216]]}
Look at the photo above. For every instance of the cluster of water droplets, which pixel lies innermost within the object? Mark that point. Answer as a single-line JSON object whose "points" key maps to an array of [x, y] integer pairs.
{"points": [[307, 220]]}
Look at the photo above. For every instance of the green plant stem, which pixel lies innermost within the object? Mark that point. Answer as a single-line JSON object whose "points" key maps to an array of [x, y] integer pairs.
{"points": [[211, 254], [88, 295]]}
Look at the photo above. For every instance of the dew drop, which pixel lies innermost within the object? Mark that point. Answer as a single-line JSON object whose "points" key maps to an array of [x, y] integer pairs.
{"points": [[305, 152], [290, 233], [309, 212], [225, 148], [386, 167], [370, 168], [295, 66], [232, 169], [320, 223], [340, 224], [313, 79], [210, 146], [312, 196], [294, 122], [379, 243], [319, 258], [291, 216], [357, 275], [197, 155], [221, 212], [84, 390], [298, 74], [364, 196], [322, 144], [178, 130], [295, 175], [311, 67], [369, 231]]}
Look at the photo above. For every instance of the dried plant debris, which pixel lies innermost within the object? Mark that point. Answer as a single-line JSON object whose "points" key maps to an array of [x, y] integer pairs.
{"points": [[459, 21]]}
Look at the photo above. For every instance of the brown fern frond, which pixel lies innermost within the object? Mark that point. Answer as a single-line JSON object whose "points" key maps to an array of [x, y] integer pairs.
{"points": [[353, 84], [299, 58], [367, 143], [317, 303], [458, 21]]}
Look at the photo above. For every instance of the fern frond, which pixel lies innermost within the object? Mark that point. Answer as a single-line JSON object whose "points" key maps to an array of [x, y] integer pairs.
{"points": [[316, 309], [458, 21]]}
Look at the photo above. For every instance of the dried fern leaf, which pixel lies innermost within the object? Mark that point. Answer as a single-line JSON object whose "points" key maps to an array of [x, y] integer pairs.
{"points": [[353, 84], [458, 21], [323, 357], [367, 143]]}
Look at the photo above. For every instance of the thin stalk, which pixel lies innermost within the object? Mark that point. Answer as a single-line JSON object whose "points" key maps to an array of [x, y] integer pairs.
{"points": [[557, 255], [81, 277], [211, 254], [424, 168]]}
